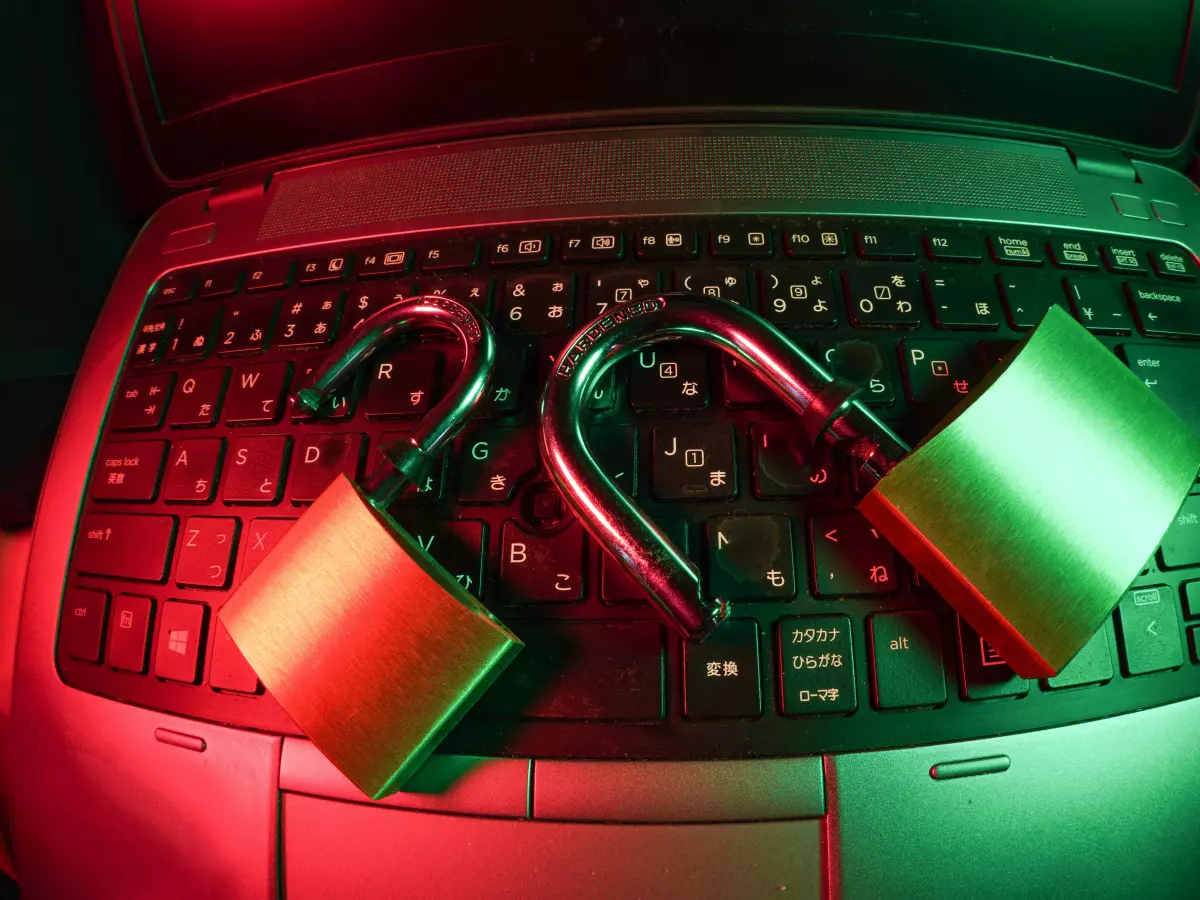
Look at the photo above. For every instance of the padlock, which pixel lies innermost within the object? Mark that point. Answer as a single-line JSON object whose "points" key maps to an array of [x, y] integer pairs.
{"points": [[371, 647], [1030, 508]]}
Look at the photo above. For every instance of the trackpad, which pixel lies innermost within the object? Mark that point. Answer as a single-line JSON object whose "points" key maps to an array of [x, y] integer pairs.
{"points": [[337, 849]]}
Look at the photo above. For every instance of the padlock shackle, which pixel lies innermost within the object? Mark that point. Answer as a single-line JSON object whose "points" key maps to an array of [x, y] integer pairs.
{"points": [[827, 411], [410, 454]]}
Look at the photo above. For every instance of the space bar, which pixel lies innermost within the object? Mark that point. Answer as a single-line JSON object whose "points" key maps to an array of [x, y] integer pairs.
{"points": [[584, 671]]}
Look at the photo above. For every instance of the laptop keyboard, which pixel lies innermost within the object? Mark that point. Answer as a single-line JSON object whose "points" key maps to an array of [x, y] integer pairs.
{"points": [[833, 644]]}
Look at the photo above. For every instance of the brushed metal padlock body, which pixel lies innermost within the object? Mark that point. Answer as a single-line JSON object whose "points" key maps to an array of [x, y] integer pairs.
{"points": [[373, 649], [1035, 502]]}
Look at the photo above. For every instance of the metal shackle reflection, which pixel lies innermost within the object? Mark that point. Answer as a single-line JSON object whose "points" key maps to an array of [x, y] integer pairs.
{"points": [[827, 412], [411, 454]]}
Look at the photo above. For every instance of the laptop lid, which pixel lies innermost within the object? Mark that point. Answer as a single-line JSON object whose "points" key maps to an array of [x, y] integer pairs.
{"points": [[222, 86]]}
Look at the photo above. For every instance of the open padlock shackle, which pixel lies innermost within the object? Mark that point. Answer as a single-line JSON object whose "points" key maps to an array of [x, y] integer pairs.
{"points": [[410, 454], [828, 414]]}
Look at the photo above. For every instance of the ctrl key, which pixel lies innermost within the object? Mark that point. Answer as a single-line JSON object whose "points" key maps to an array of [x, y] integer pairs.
{"points": [[81, 629]]}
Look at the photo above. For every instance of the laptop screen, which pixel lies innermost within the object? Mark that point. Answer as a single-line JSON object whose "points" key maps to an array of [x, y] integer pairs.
{"points": [[308, 72]]}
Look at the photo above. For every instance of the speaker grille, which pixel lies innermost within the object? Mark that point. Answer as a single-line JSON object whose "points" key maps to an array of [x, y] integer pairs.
{"points": [[622, 171]]}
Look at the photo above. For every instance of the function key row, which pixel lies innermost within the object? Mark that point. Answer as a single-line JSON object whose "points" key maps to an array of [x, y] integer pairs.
{"points": [[754, 241]]}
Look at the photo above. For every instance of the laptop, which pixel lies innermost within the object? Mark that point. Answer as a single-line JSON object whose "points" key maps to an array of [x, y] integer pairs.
{"points": [[923, 182]]}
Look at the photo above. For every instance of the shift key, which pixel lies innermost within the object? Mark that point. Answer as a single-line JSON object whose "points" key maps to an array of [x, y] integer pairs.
{"points": [[125, 546]]}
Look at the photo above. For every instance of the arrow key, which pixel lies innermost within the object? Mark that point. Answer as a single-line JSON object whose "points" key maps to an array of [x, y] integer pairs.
{"points": [[1148, 627], [848, 557]]}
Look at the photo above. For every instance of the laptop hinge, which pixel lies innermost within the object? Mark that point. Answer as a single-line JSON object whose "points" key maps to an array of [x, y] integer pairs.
{"points": [[1094, 160], [238, 189]]}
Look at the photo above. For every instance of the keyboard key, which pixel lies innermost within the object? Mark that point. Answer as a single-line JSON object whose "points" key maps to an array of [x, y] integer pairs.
{"points": [[726, 282], [694, 462], [784, 466], [538, 304], [882, 297], [753, 241], [1149, 631], [963, 300], [197, 398], [180, 639], [614, 448], [492, 461], [814, 242], [324, 268], [939, 373], [390, 259], [257, 393], [152, 334], [611, 671], [457, 546], [750, 558], [1124, 258], [336, 407], [1091, 665], [269, 275], [667, 243], [205, 551], [721, 674], [450, 254], [521, 251], [1181, 543], [364, 302], [863, 363], [192, 471], [475, 291], [1173, 264], [1028, 296], [246, 326], [320, 458], [886, 243], [128, 471], [229, 670], [175, 287], [742, 387], [194, 331], [906, 652], [593, 246], [427, 489], [309, 319], [1074, 253], [848, 557], [221, 283], [1191, 599], [81, 629], [953, 246], [617, 585], [1099, 305], [541, 569], [1166, 310], [129, 632], [254, 470], [125, 546], [669, 376], [141, 401], [984, 673], [402, 384], [1193, 637], [816, 665], [610, 288], [503, 394], [794, 297], [260, 539], [1016, 249]]}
